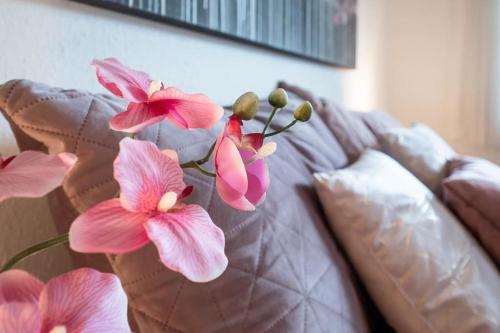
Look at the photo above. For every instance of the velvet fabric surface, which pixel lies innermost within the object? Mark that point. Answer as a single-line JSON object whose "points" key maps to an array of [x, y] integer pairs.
{"points": [[285, 271], [472, 191]]}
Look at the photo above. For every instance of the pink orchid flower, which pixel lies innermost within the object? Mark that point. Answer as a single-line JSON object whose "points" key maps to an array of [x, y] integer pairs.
{"points": [[242, 177], [80, 301], [150, 102], [33, 174], [150, 209]]}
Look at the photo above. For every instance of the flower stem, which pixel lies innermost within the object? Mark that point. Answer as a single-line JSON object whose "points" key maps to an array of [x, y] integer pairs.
{"points": [[269, 120], [207, 156], [282, 129], [200, 161], [61, 239], [195, 165]]}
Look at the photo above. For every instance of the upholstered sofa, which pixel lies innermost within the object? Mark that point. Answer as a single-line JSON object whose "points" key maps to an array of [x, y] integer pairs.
{"points": [[286, 273]]}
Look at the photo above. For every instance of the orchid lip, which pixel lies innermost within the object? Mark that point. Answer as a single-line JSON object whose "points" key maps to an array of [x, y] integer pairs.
{"points": [[58, 329], [167, 202], [265, 151], [154, 86]]}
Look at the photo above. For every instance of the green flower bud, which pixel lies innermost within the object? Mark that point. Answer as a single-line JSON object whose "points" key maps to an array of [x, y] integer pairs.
{"points": [[303, 112], [278, 98], [246, 106]]}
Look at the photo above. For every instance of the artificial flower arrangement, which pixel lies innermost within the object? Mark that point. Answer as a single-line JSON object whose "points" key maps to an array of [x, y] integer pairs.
{"points": [[148, 208]]}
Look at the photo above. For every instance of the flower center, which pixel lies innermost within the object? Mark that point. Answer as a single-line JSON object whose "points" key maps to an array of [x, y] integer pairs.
{"points": [[154, 86], [59, 329], [264, 151], [167, 201]]}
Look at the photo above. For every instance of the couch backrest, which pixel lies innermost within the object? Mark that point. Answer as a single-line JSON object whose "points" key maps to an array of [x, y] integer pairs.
{"points": [[285, 271]]}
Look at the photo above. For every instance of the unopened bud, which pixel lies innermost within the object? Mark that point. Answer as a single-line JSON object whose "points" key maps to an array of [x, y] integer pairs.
{"points": [[303, 112], [246, 106], [278, 98]]}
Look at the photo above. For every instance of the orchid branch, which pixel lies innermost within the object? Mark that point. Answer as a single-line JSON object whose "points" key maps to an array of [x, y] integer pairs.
{"points": [[195, 165], [61, 239], [282, 129], [269, 120], [207, 156]]}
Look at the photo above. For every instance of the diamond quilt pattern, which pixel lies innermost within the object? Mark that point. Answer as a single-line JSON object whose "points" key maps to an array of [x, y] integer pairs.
{"points": [[285, 272]]}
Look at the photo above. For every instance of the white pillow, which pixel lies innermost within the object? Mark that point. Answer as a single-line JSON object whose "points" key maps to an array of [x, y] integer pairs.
{"points": [[420, 150], [420, 265]]}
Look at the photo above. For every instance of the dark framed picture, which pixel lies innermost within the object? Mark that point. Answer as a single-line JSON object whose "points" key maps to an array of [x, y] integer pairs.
{"points": [[318, 30]]}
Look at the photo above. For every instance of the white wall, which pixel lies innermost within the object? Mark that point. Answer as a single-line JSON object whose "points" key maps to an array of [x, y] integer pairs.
{"points": [[493, 101], [438, 67], [53, 41]]}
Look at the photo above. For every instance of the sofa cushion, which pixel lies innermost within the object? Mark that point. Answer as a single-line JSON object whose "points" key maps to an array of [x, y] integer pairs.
{"points": [[420, 150], [285, 272], [350, 130], [355, 131], [423, 269], [472, 191], [302, 93], [379, 122]]}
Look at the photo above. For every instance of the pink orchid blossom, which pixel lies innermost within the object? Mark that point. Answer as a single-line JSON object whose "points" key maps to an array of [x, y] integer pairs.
{"points": [[80, 301], [150, 209], [150, 102], [33, 174], [242, 177]]}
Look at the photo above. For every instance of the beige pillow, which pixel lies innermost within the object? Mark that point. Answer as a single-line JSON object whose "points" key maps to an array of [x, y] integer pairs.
{"points": [[419, 149], [422, 268]]}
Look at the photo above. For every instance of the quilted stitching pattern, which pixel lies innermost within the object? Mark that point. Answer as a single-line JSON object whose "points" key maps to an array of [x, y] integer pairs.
{"points": [[285, 272]]}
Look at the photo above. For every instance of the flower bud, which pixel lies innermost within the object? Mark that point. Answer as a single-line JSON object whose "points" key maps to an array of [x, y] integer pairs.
{"points": [[303, 112], [278, 98], [246, 106]]}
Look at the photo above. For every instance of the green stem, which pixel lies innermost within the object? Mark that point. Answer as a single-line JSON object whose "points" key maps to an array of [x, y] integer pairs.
{"points": [[281, 130], [207, 156], [200, 161], [61, 239], [269, 121], [195, 165]]}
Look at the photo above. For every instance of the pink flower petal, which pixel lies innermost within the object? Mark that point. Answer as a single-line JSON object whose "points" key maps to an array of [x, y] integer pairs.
{"points": [[189, 242], [17, 317], [172, 154], [108, 228], [241, 203], [186, 192], [253, 140], [33, 174], [258, 178], [231, 180], [19, 286], [136, 118], [84, 300], [68, 159], [233, 129], [185, 110], [122, 81], [5, 161], [145, 174]]}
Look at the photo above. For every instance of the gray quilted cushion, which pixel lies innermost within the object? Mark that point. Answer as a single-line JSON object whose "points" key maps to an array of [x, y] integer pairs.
{"points": [[285, 272], [355, 131]]}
